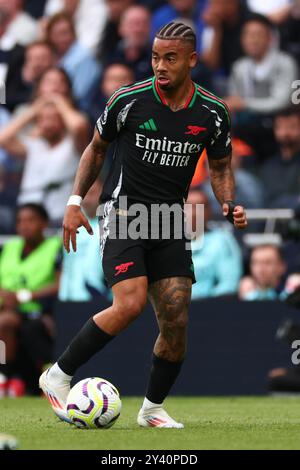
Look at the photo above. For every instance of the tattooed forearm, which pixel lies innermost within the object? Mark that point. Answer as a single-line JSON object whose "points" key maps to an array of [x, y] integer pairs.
{"points": [[170, 299], [90, 165], [222, 179]]}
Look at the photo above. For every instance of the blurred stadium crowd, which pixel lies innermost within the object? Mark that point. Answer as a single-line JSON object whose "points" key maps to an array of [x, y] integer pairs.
{"points": [[60, 61]]}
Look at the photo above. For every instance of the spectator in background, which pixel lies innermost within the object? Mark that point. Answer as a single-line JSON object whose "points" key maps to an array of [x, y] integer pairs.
{"points": [[134, 49], [276, 10], [9, 183], [89, 17], [249, 190], [29, 279], [221, 37], [82, 276], [51, 154], [189, 11], [261, 81], [260, 85], [153, 4], [8, 190], [267, 271], [111, 37], [75, 59], [290, 32], [34, 8], [22, 78], [16, 28], [54, 80], [216, 254], [114, 76], [287, 379], [280, 174], [284, 379], [19, 27], [56, 83]]}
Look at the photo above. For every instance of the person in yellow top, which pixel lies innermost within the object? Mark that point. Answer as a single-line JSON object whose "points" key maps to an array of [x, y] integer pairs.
{"points": [[29, 281]]}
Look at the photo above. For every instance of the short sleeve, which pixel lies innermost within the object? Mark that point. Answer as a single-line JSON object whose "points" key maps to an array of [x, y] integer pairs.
{"points": [[107, 123], [220, 143], [114, 116]]}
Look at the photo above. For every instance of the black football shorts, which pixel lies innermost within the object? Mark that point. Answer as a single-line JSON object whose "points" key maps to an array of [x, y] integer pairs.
{"points": [[155, 258]]}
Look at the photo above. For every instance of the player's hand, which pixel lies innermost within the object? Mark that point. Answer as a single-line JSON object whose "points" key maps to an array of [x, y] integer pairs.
{"points": [[235, 214], [73, 219]]}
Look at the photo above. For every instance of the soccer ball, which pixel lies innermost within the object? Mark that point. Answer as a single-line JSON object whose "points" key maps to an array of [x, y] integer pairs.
{"points": [[93, 403]]}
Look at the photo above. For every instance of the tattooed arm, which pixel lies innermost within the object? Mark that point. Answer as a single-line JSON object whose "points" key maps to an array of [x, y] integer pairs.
{"points": [[222, 179], [89, 168], [223, 185]]}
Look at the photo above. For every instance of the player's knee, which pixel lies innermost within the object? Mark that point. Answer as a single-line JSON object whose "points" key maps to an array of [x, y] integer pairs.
{"points": [[181, 321], [175, 321], [131, 307], [177, 329]]}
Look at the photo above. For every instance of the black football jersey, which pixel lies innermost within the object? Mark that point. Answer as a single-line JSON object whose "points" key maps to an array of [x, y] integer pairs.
{"points": [[156, 150]]}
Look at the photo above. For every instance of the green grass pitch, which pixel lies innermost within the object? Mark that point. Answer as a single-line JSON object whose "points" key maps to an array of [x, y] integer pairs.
{"points": [[210, 423]]}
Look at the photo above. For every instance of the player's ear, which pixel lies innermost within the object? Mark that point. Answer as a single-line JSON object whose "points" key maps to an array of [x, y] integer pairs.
{"points": [[193, 59]]}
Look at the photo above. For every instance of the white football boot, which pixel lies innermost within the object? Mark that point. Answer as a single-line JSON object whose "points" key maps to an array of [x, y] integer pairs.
{"points": [[57, 394], [156, 417]]}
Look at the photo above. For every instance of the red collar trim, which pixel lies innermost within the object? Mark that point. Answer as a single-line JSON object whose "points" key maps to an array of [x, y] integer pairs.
{"points": [[161, 97]]}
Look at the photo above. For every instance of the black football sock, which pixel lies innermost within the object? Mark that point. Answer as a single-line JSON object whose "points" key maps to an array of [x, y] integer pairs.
{"points": [[90, 340], [162, 376]]}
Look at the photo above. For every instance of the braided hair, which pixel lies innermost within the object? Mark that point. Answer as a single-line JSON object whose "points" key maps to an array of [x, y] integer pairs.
{"points": [[176, 30]]}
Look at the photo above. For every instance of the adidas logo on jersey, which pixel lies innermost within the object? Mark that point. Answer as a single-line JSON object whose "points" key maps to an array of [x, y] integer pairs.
{"points": [[149, 125]]}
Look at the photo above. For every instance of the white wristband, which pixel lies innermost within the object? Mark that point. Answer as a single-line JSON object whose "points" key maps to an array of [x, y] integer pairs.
{"points": [[74, 200], [24, 296]]}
